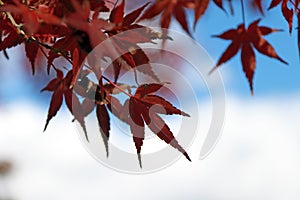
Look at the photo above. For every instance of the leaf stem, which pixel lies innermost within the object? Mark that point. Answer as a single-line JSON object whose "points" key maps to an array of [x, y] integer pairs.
{"points": [[115, 85], [243, 12], [11, 18], [295, 5], [45, 54]]}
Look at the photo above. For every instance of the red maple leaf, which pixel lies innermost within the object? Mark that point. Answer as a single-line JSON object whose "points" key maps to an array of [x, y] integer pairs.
{"points": [[245, 39], [126, 34], [31, 50], [80, 20], [63, 46], [219, 3], [60, 86], [99, 96], [258, 5], [31, 17], [167, 8], [13, 38], [144, 108], [287, 12], [10, 34]]}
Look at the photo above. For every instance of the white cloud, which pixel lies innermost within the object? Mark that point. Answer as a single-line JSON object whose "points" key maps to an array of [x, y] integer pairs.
{"points": [[257, 157]]}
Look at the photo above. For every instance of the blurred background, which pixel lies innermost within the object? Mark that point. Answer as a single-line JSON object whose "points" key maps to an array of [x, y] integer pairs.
{"points": [[257, 156]]}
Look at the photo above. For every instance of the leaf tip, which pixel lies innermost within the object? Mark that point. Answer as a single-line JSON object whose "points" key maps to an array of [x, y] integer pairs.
{"points": [[33, 71], [46, 125], [283, 61], [185, 114], [194, 26], [187, 156], [86, 136], [140, 160], [212, 70]]}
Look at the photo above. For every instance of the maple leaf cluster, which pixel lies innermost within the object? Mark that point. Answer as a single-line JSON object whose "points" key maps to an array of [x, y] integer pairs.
{"points": [[72, 29]]}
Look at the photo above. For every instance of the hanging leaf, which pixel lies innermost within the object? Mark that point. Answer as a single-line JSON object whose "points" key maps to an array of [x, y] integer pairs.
{"points": [[246, 39], [141, 113]]}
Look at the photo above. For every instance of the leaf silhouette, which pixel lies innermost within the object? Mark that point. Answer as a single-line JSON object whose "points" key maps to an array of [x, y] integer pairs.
{"points": [[200, 9], [31, 18], [134, 15], [286, 12], [104, 124], [61, 47], [12, 38], [60, 86], [167, 8], [258, 4], [31, 50], [126, 42], [246, 39], [116, 15], [102, 115], [142, 112], [219, 3]]}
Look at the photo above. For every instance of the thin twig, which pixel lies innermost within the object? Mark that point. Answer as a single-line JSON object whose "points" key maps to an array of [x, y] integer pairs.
{"points": [[243, 12], [294, 4], [115, 85]]}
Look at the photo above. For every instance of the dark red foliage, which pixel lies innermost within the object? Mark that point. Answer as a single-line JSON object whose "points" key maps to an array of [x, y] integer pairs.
{"points": [[143, 109], [169, 8], [132, 34], [60, 86], [287, 12], [72, 29], [245, 39]]}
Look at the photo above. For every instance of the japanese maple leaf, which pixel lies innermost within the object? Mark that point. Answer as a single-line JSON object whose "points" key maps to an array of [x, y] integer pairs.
{"points": [[169, 8], [287, 12], [11, 36], [47, 34], [62, 8], [257, 4], [102, 114], [245, 39], [74, 46], [31, 31], [31, 17], [63, 46], [143, 108], [80, 20], [219, 3], [31, 50], [99, 96], [126, 35], [60, 86], [122, 23]]}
